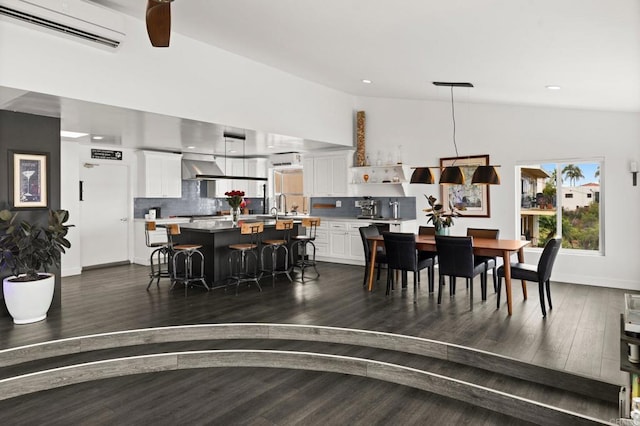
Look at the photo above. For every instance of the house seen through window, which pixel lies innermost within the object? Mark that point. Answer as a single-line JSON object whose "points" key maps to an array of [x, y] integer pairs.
{"points": [[561, 198]]}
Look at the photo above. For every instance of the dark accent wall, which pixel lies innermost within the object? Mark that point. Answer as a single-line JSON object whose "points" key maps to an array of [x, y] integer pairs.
{"points": [[31, 133]]}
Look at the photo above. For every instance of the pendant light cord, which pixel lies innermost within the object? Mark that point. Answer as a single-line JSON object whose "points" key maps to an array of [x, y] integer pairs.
{"points": [[453, 117]]}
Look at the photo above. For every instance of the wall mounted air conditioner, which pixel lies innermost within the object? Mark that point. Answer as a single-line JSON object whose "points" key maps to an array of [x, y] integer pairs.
{"points": [[286, 160], [74, 19]]}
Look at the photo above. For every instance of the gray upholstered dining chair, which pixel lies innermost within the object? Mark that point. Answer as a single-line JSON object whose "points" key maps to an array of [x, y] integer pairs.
{"points": [[490, 261], [540, 273], [425, 255], [456, 259], [402, 255], [381, 257]]}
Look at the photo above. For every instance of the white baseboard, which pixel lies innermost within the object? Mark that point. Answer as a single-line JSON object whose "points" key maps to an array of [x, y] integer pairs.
{"points": [[596, 281], [144, 261], [68, 272], [339, 260]]}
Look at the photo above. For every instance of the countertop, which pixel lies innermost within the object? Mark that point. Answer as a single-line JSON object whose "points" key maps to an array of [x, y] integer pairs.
{"points": [[222, 225], [270, 219], [165, 220], [354, 219]]}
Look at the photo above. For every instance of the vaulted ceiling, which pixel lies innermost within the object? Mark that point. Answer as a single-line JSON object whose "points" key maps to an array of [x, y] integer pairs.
{"points": [[511, 50]]}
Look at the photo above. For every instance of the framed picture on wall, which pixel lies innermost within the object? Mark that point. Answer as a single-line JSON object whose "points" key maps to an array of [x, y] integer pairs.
{"points": [[473, 200], [28, 179]]}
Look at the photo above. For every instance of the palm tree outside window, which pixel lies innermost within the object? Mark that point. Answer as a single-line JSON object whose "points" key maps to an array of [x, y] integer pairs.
{"points": [[562, 198]]}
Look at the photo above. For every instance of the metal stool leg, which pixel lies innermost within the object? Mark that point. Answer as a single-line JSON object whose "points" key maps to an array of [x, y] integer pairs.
{"points": [[187, 277], [274, 270], [305, 258], [160, 255], [243, 275], [286, 262]]}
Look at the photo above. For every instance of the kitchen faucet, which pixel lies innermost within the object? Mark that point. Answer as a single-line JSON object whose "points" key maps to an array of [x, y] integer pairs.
{"points": [[394, 208], [272, 212], [283, 206]]}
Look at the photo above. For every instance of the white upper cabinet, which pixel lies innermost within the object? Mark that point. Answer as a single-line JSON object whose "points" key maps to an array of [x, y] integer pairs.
{"points": [[159, 174], [308, 176], [329, 174], [250, 167], [256, 167]]}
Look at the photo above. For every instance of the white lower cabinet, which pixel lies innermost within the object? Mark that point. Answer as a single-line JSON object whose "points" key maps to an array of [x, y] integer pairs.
{"points": [[342, 242], [404, 226], [339, 241], [356, 250], [322, 241]]}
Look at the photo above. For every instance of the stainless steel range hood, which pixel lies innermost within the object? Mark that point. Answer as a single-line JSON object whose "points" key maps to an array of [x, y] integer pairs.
{"points": [[208, 170], [195, 169]]}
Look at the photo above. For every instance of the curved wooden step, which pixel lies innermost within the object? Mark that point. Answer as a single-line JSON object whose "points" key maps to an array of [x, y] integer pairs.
{"points": [[514, 406], [408, 344]]}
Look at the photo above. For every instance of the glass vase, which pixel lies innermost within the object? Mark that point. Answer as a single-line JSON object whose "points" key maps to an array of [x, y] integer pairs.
{"points": [[443, 230], [235, 215]]}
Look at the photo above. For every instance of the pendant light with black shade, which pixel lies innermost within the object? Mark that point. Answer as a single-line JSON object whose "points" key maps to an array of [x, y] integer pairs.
{"points": [[483, 175]]}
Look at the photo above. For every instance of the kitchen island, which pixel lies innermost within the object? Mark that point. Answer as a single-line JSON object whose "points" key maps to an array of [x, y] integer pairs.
{"points": [[215, 236]]}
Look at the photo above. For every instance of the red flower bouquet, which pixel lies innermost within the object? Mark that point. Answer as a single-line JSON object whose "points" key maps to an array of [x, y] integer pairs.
{"points": [[235, 198]]}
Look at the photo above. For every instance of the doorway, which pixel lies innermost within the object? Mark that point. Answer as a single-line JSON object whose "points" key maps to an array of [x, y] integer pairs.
{"points": [[104, 214]]}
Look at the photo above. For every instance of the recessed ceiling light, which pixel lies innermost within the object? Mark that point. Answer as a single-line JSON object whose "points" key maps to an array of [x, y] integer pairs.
{"points": [[232, 151], [365, 81], [270, 146], [66, 134], [97, 138], [552, 87], [191, 147]]}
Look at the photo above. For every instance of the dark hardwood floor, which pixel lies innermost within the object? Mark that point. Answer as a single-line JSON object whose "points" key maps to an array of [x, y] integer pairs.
{"points": [[579, 335]]}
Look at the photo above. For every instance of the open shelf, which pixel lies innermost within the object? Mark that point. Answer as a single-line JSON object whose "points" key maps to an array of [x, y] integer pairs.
{"points": [[391, 174]]}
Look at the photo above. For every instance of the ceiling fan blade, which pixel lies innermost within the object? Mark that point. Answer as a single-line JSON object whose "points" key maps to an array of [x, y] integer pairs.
{"points": [[159, 22]]}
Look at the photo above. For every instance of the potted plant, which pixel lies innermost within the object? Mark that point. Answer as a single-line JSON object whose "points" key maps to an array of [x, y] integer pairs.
{"points": [[436, 214], [28, 250]]}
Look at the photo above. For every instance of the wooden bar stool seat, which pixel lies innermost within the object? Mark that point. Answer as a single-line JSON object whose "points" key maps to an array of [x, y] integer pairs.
{"points": [[183, 255], [275, 246], [301, 247], [239, 258]]}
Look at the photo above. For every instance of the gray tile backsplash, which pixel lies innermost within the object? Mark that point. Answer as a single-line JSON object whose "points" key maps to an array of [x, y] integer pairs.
{"points": [[407, 206], [191, 203]]}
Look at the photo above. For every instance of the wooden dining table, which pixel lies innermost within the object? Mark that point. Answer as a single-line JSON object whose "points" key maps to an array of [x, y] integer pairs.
{"points": [[481, 247]]}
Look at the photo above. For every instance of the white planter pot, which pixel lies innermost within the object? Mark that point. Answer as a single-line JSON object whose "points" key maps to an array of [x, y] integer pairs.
{"points": [[28, 301]]}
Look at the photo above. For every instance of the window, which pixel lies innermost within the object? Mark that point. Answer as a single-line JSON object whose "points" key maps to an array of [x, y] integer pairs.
{"points": [[288, 183], [562, 198]]}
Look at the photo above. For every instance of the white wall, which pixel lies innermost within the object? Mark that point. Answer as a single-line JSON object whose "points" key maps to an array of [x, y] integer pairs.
{"points": [[69, 195], [514, 135], [189, 80]]}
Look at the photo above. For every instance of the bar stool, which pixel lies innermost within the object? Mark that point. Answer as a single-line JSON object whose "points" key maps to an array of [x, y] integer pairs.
{"points": [[301, 244], [184, 254], [238, 262], [160, 254], [276, 246]]}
